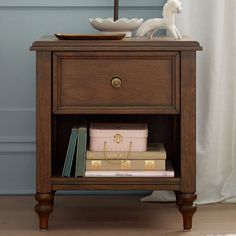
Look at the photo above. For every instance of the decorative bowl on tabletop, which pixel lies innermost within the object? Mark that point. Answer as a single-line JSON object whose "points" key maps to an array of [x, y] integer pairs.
{"points": [[122, 25], [116, 25]]}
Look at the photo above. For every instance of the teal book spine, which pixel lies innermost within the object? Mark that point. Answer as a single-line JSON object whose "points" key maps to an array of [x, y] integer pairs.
{"points": [[81, 152], [70, 153]]}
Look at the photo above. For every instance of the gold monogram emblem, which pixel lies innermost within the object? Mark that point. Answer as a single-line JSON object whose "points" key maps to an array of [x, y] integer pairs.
{"points": [[118, 138]]}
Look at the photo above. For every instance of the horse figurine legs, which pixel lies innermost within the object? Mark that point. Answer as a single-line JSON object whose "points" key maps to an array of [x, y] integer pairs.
{"points": [[178, 33], [174, 31], [151, 33]]}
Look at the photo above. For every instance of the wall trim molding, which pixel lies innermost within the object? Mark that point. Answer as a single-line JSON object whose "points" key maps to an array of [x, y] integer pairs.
{"points": [[17, 139], [18, 145], [80, 3], [16, 109]]}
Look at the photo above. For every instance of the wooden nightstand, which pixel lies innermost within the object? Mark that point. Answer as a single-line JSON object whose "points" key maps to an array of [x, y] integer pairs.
{"points": [[149, 81]]}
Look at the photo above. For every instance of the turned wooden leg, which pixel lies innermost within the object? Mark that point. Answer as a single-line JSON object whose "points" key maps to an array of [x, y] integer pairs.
{"points": [[186, 207], [44, 208]]}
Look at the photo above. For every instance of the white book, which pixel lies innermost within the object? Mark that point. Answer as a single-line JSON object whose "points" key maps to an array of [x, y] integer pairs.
{"points": [[129, 173], [159, 173]]}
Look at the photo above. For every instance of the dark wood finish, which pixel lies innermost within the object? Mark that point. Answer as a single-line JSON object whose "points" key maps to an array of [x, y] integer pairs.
{"points": [[51, 43], [43, 122], [121, 180], [188, 122], [158, 87], [94, 72], [114, 110], [187, 208], [44, 208], [172, 184], [116, 187]]}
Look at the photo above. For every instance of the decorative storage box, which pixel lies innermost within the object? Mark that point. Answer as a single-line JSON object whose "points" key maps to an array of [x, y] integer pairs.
{"points": [[118, 137]]}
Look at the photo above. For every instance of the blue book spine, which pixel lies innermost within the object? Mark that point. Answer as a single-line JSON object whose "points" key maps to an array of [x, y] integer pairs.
{"points": [[81, 152], [70, 153]]}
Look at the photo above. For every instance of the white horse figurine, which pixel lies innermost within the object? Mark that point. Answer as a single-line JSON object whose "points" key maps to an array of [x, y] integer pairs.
{"points": [[151, 26]]}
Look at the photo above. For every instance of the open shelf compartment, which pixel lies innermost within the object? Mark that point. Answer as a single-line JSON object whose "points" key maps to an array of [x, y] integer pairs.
{"points": [[161, 129]]}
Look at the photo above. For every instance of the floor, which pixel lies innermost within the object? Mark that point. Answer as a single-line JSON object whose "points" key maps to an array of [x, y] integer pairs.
{"points": [[111, 216]]}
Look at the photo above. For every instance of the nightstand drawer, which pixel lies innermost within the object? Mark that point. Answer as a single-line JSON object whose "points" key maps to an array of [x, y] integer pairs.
{"points": [[84, 82]]}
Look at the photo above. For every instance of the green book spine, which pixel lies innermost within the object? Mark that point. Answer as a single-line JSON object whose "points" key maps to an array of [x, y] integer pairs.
{"points": [[81, 152], [70, 153]]}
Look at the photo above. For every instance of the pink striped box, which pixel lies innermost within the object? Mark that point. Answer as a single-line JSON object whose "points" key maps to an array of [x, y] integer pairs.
{"points": [[118, 137]]}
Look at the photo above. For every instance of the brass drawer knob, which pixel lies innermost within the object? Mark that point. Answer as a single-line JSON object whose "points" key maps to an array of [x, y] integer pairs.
{"points": [[116, 82]]}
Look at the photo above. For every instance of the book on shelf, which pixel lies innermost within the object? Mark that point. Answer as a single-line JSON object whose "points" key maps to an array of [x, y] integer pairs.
{"points": [[154, 151], [70, 153], [81, 151], [138, 165], [169, 172]]}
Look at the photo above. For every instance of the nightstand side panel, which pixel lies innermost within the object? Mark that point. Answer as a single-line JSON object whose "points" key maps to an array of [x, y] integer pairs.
{"points": [[43, 122]]}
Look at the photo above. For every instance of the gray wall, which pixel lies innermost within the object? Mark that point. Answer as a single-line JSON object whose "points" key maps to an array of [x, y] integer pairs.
{"points": [[22, 22]]}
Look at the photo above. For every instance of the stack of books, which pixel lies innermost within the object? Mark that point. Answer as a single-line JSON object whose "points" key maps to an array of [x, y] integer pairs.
{"points": [[87, 163], [151, 163]]}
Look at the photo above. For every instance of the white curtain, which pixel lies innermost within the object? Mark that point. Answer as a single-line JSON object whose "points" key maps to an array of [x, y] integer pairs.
{"points": [[213, 24]]}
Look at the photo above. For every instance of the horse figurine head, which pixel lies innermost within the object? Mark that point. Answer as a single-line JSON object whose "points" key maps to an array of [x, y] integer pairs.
{"points": [[151, 26], [174, 5]]}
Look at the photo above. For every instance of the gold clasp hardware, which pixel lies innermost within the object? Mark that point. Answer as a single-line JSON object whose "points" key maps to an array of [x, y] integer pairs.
{"points": [[118, 138], [123, 161]]}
